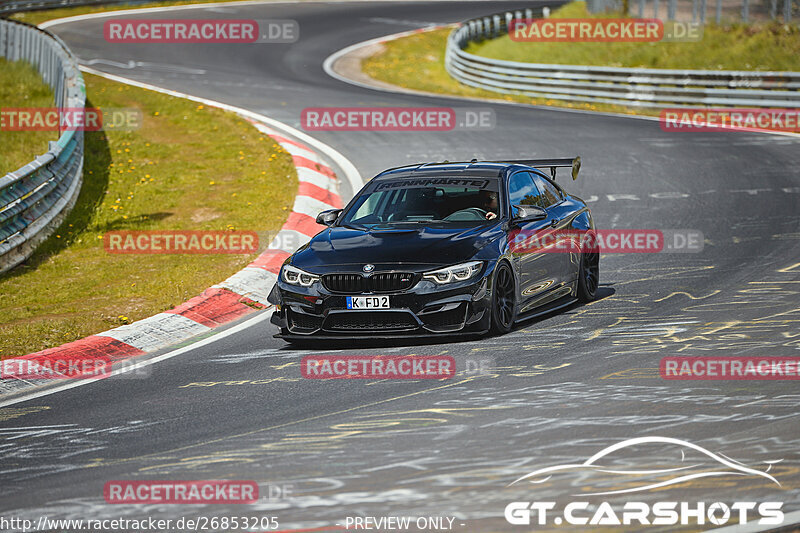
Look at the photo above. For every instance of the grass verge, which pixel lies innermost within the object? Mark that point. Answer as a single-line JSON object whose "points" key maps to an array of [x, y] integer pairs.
{"points": [[187, 167], [417, 61], [22, 86], [763, 46]]}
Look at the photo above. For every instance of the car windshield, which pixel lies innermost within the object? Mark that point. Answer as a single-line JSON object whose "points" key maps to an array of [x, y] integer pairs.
{"points": [[440, 200]]}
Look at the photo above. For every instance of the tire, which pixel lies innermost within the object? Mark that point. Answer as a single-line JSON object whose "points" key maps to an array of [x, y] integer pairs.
{"points": [[588, 276], [504, 301]]}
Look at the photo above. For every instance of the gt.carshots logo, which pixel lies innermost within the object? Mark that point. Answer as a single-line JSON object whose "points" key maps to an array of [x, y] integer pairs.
{"points": [[612, 461], [642, 513]]}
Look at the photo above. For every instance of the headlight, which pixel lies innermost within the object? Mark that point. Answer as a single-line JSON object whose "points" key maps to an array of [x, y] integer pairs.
{"points": [[295, 276], [454, 273]]}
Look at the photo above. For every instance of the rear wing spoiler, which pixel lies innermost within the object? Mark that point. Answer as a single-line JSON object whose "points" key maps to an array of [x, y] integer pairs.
{"points": [[553, 164]]}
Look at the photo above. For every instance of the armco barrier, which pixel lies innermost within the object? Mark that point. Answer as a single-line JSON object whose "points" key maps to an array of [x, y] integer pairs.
{"points": [[640, 87], [35, 199]]}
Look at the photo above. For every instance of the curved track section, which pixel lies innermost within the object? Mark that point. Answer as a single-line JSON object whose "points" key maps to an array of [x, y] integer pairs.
{"points": [[561, 388]]}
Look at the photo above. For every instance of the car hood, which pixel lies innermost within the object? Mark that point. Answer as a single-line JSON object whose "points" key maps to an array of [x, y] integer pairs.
{"points": [[415, 246]]}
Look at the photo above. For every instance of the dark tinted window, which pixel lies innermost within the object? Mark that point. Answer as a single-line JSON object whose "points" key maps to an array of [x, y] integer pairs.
{"points": [[522, 190], [549, 191], [441, 200]]}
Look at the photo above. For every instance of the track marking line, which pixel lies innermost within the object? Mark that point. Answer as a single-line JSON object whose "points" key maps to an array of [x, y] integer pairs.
{"points": [[278, 426], [262, 316]]}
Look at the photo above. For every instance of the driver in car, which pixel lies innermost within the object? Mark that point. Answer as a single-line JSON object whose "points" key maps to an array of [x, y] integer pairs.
{"points": [[488, 203]]}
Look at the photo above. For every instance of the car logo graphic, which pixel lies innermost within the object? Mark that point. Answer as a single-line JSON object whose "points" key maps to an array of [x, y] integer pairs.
{"points": [[369, 268], [680, 474]]}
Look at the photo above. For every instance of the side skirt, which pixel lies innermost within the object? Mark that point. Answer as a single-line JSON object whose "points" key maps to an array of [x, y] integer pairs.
{"points": [[551, 307]]}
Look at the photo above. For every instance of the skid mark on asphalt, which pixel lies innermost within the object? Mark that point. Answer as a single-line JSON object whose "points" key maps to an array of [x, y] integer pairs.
{"points": [[10, 413]]}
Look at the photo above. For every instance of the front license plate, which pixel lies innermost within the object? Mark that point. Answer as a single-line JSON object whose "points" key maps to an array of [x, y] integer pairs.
{"points": [[368, 302]]}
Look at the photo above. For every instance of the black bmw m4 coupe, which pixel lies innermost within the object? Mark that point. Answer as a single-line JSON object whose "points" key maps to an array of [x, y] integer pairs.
{"points": [[440, 249]]}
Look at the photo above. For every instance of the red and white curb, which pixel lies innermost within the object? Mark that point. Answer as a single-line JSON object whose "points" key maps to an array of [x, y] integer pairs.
{"points": [[317, 191], [243, 293]]}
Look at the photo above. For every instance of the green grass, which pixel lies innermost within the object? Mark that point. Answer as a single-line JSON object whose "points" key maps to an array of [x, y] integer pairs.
{"points": [[417, 61], [187, 167], [22, 86], [771, 46]]}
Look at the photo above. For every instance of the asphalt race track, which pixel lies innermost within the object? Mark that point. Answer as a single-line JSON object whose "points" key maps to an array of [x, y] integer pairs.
{"points": [[559, 389]]}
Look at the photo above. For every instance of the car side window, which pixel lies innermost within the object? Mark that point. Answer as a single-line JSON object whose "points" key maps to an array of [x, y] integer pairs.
{"points": [[550, 194], [523, 191]]}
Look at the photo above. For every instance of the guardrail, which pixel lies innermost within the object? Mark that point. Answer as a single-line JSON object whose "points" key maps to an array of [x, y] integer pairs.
{"points": [[640, 87], [35, 199], [701, 10]]}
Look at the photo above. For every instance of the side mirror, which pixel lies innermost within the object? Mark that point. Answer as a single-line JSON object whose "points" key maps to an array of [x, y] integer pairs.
{"points": [[328, 218], [520, 213]]}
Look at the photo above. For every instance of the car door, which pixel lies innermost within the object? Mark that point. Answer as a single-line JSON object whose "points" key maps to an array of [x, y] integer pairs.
{"points": [[560, 215], [539, 270]]}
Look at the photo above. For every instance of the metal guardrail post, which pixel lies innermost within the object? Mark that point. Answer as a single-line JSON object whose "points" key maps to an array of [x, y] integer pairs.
{"points": [[787, 11], [641, 9], [703, 10], [745, 11], [671, 9], [718, 11], [655, 9]]}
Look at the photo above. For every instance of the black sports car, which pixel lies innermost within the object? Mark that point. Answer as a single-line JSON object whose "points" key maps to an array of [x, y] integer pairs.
{"points": [[430, 249]]}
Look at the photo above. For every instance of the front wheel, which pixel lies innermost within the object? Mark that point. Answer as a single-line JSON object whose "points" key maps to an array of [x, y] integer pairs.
{"points": [[588, 276], [504, 302]]}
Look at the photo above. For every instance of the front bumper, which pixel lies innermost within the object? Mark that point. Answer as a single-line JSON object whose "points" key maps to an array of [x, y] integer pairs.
{"points": [[424, 309]]}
